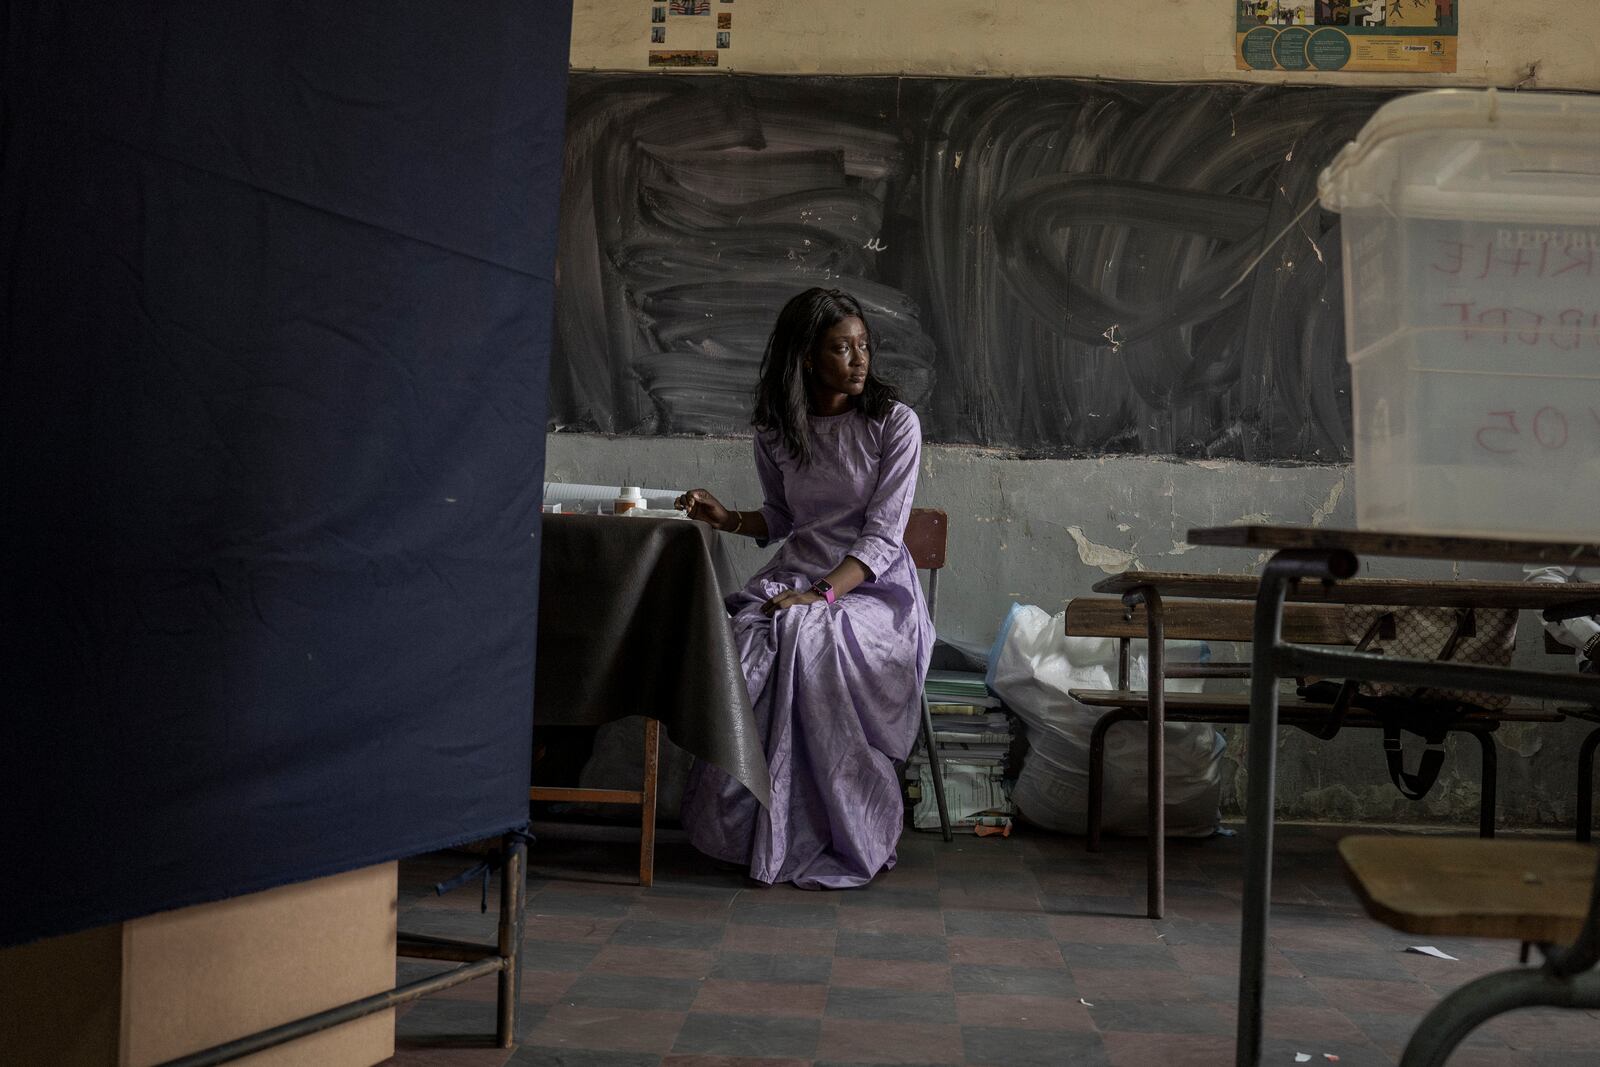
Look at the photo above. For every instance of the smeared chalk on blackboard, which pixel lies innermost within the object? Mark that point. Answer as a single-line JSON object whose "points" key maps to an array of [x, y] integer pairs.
{"points": [[1051, 267]]}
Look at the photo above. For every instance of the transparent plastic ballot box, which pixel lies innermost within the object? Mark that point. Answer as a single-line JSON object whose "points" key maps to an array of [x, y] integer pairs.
{"points": [[1471, 256]]}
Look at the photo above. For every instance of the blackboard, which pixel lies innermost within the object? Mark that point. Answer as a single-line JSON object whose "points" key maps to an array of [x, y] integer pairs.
{"points": [[1051, 267]]}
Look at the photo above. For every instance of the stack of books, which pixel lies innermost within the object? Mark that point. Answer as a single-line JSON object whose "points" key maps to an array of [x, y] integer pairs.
{"points": [[973, 734]]}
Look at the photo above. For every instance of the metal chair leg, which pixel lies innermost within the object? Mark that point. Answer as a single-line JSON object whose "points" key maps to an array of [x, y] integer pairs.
{"points": [[1491, 775], [1458, 1014], [1095, 815], [1262, 761], [935, 768], [1586, 784]]}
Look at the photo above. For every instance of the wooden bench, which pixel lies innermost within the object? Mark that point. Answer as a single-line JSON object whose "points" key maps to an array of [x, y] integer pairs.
{"points": [[1223, 620]]}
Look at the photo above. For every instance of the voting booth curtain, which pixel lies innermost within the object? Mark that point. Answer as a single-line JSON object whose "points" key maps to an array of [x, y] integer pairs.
{"points": [[276, 303]]}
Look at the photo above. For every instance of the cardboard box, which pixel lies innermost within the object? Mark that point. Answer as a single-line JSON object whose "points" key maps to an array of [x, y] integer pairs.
{"points": [[143, 992]]}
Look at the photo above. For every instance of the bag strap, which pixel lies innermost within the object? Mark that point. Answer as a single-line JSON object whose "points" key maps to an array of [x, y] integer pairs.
{"points": [[1399, 713], [1334, 720], [1415, 786]]}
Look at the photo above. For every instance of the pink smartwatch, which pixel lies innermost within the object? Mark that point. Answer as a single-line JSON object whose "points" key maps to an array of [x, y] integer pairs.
{"points": [[823, 590]]}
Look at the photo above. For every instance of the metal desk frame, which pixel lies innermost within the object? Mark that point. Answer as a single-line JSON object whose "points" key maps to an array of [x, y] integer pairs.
{"points": [[1149, 588], [504, 959], [1329, 556]]}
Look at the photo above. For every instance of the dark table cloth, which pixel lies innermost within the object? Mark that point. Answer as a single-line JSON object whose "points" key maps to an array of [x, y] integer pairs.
{"points": [[631, 622]]}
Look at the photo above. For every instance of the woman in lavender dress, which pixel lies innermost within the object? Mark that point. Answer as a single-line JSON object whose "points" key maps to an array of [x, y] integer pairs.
{"points": [[833, 633]]}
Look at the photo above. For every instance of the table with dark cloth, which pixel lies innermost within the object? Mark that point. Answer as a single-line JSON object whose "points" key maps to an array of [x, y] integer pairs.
{"points": [[631, 622]]}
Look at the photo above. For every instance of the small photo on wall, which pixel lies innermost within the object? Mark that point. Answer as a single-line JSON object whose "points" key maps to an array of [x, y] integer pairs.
{"points": [[658, 14], [1263, 11], [691, 7], [686, 57], [725, 20], [1333, 12], [1367, 12], [1415, 13], [1294, 12], [722, 39], [658, 35]]}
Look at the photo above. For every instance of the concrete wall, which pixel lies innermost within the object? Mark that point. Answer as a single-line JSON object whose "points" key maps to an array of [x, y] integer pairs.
{"points": [[1042, 531]]}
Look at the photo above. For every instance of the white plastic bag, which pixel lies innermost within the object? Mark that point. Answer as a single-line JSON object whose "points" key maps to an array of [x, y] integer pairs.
{"points": [[1032, 666]]}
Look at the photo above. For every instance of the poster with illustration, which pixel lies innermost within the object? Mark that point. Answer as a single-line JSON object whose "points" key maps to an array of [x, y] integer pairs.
{"points": [[696, 38], [1354, 35]]}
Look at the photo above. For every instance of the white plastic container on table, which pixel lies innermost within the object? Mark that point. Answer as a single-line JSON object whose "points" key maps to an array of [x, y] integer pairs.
{"points": [[1471, 241]]}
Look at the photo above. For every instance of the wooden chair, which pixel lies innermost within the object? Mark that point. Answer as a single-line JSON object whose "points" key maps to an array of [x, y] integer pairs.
{"points": [[925, 537], [645, 797], [1541, 892]]}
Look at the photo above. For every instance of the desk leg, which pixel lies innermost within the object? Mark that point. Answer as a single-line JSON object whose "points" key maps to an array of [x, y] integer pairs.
{"points": [[935, 769], [1155, 761], [1283, 568], [513, 897]]}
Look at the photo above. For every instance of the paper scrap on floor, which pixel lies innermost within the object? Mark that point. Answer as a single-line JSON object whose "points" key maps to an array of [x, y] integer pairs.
{"points": [[1429, 950]]}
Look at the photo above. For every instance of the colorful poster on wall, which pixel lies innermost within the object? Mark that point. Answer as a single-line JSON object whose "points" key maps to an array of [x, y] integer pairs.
{"points": [[1355, 35]]}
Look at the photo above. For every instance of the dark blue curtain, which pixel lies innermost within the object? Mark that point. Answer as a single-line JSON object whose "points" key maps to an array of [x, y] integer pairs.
{"points": [[276, 286]]}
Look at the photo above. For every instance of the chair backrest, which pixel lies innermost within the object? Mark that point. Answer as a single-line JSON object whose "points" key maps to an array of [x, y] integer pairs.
{"points": [[1205, 620], [925, 536], [1199, 620]]}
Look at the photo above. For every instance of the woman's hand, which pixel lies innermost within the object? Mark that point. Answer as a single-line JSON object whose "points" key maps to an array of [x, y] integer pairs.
{"points": [[700, 504], [789, 598]]}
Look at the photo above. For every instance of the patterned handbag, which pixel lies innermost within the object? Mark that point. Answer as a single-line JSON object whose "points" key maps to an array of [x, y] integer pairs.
{"points": [[1485, 636]]}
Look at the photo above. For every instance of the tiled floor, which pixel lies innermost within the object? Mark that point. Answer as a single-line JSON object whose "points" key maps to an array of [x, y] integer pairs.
{"points": [[1016, 951]]}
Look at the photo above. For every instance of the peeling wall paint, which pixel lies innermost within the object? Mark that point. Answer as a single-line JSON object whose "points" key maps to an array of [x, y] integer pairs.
{"points": [[1111, 560], [1319, 514]]}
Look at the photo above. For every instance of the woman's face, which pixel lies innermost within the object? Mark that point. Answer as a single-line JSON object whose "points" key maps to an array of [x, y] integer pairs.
{"points": [[840, 363]]}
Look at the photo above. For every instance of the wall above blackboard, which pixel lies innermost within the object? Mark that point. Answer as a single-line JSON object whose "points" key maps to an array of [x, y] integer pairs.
{"points": [[1053, 267]]}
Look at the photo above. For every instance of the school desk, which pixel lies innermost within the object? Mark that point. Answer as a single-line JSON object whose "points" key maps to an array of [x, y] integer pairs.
{"points": [[1304, 560]]}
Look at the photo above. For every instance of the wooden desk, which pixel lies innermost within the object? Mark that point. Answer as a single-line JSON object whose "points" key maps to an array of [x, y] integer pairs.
{"points": [[631, 622], [1303, 557]]}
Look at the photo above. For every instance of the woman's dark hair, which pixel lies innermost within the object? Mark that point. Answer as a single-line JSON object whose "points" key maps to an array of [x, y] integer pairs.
{"points": [[781, 400]]}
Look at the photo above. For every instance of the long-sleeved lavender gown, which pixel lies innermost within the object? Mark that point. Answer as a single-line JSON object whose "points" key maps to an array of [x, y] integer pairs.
{"points": [[836, 688]]}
